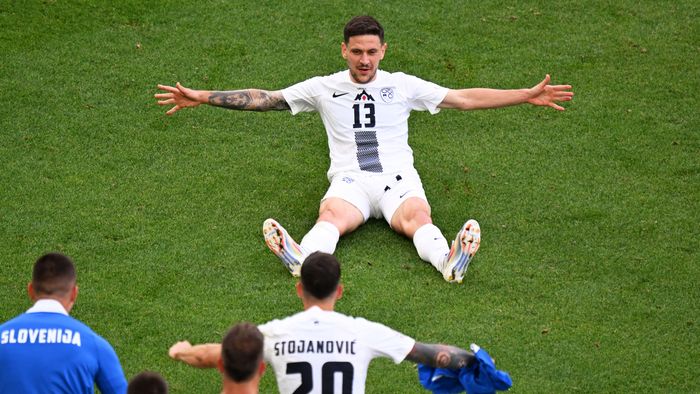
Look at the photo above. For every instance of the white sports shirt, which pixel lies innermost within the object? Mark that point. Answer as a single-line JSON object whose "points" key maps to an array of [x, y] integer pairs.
{"points": [[317, 351], [367, 124]]}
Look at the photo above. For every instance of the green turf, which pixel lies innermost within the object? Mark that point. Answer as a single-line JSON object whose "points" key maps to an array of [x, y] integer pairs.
{"points": [[586, 280]]}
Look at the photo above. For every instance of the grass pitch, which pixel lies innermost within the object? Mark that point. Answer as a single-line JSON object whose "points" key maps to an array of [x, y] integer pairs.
{"points": [[587, 275]]}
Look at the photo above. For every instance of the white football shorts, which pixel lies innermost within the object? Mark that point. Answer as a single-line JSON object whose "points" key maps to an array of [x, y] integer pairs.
{"points": [[376, 195]]}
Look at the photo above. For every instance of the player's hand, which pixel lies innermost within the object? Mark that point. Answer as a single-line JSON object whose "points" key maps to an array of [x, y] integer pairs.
{"points": [[177, 348], [178, 95], [549, 95]]}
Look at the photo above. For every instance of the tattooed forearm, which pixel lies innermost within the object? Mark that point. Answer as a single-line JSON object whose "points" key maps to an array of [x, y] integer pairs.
{"points": [[239, 99], [440, 356], [249, 99]]}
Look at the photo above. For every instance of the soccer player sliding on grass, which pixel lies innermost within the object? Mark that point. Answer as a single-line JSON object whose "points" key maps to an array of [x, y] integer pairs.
{"points": [[365, 112]]}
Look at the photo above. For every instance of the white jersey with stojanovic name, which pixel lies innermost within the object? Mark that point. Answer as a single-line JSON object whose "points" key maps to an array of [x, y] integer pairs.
{"points": [[367, 124], [317, 351]]}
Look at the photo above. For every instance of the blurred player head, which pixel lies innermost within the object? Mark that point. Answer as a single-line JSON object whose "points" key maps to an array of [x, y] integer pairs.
{"points": [[241, 359], [363, 47], [320, 276], [54, 277], [147, 383]]}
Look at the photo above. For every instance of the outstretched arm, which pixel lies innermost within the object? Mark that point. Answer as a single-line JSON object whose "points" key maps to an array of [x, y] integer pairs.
{"points": [[246, 99], [481, 98], [200, 356], [440, 356]]}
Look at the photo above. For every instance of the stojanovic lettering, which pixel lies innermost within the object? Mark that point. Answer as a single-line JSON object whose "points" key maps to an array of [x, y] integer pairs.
{"points": [[314, 346]]}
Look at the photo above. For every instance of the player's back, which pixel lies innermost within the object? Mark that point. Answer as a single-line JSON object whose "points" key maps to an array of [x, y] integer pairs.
{"points": [[318, 351], [49, 352]]}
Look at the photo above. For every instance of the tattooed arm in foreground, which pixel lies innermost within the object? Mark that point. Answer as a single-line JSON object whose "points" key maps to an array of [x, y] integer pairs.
{"points": [[440, 356], [246, 99]]}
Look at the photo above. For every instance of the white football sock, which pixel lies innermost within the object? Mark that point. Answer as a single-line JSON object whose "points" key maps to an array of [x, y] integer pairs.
{"points": [[323, 237], [431, 245]]}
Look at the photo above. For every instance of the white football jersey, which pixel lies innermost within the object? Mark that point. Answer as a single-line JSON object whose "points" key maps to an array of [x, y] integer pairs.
{"points": [[367, 124], [317, 351]]}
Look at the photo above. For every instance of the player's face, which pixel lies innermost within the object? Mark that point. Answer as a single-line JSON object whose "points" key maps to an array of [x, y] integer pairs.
{"points": [[363, 54]]}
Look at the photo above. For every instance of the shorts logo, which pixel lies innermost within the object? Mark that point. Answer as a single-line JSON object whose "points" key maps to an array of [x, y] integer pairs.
{"points": [[347, 179], [387, 94]]}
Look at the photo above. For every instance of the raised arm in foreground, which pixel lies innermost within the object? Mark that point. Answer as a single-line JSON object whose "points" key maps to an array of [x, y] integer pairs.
{"points": [[200, 356], [246, 99]]}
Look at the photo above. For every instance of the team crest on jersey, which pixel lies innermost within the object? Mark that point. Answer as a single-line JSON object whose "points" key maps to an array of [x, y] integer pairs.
{"points": [[347, 179], [364, 96], [387, 94]]}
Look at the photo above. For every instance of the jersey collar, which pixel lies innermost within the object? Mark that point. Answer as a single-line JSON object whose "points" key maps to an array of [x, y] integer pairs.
{"points": [[48, 305]]}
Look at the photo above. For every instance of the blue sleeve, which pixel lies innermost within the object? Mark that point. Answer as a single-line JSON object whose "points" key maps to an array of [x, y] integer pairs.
{"points": [[439, 380], [480, 377], [110, 377]]}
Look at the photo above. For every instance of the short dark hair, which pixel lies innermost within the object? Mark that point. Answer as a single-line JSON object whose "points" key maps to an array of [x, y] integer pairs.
{"points": [[242, 351], [53, 274], [147, 382], [362, 25], [320, 275]]}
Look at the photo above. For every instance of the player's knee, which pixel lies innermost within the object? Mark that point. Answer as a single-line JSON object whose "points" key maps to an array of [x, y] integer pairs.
{"points": [[327, 215], [421, 217], [412, 215], [344, 218], [415, 210], [417, 220]]}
